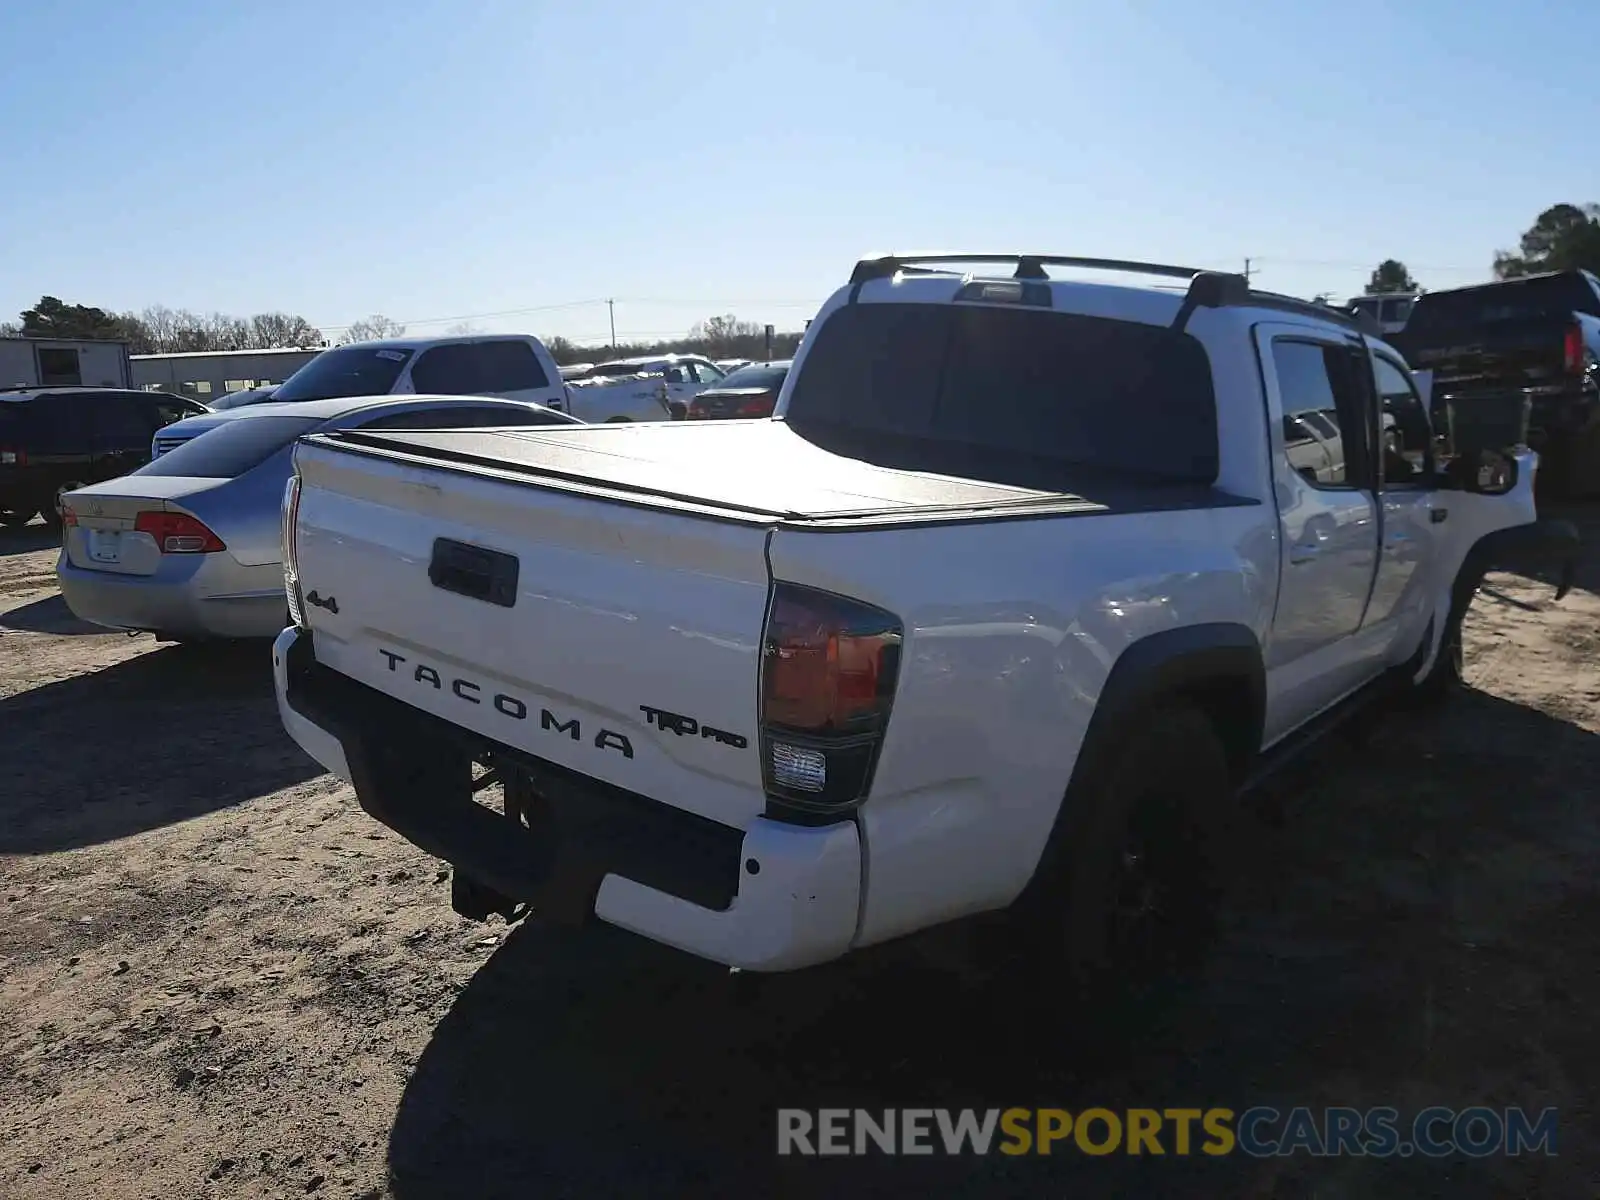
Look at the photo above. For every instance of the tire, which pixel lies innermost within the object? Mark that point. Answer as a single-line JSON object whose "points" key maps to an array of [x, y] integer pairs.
{"points": [[619, 420], [1130, 897]]}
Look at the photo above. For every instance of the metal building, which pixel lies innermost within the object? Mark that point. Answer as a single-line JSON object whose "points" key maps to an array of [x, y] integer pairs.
{"points": [[207, 374], [64, 362]]}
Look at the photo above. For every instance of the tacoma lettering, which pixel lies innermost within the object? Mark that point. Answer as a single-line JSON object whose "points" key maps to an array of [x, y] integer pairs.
{"points": [[516, 708], [671, 722]]}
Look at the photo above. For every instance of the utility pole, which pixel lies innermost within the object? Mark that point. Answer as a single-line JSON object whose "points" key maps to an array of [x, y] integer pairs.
{"points": [[1247, 270], [611, 307]]}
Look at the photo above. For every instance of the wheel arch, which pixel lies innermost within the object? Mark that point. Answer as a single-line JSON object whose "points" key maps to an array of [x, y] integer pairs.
{"points": [[1218, 667]]}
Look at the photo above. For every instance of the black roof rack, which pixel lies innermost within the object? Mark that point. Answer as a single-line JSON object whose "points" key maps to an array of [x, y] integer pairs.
{"points": [[1207, 289], [1029, 266]]}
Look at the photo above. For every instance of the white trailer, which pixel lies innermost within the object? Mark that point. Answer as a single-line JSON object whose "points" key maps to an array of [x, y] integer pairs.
{"points": [[64, 362]]}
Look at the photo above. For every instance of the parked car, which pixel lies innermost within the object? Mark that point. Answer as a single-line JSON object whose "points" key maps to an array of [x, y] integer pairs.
{"points": [[515, 367], [1017, 594], [642, 389], [750, 391], [1532, 342], [256, 395], [53, 440], [189, 547], [732, 364], [575, 371]]}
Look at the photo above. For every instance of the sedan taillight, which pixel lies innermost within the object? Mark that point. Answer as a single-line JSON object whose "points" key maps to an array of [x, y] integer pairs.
{"points": [[178, 533]]}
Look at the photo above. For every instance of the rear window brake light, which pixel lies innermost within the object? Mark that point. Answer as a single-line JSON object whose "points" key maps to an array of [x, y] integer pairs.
{"points": [[1006, 291]]}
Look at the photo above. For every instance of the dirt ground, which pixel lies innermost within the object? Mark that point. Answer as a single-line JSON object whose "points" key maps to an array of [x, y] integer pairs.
{"points": [[218, 978]]}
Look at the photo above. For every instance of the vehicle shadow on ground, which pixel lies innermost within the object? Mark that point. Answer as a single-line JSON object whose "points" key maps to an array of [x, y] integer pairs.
{"points": [[50, 615], [1377, 953], [25, 539], [151, 741]]}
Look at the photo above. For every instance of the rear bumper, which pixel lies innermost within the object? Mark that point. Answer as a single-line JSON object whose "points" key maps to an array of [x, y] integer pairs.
{"points": [[772, 897], [173, 606]]}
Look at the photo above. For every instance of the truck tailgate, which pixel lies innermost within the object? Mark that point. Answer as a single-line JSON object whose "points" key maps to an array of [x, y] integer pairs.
{"points": [[619, 641]]}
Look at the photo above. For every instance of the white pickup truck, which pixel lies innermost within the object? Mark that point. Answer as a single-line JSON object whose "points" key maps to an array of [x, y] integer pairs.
{"points": [[1003, 609], [641, 389]]}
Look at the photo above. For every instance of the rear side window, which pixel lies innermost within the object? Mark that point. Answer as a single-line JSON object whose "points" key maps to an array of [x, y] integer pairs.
{"points": [[57, 425], [119, 420], [348, 371], [231, 449], [509, 367], [447, 371], [1009, 395]]}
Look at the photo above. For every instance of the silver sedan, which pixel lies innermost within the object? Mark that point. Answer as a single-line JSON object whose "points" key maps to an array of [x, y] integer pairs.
{"points": [[189, 546]]}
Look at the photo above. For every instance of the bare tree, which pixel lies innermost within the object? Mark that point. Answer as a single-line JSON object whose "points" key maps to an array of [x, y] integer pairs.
{"points": [[223, 332], [372, 329], [10, 329], [723, 334], [464, 329], [283, 331]]}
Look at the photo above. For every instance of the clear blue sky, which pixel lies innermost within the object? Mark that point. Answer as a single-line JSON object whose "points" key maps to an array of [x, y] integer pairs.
{"points": [[438, 159]]}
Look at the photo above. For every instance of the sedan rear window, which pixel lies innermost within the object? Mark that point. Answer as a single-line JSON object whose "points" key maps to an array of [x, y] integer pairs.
{"points": [[230, 449], [348, 371], [1027, 397], [758, 375]]}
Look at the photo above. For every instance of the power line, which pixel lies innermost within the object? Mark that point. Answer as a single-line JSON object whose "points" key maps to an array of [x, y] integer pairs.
{"points": [[479, 316], [570, 304], [1355, 266]]}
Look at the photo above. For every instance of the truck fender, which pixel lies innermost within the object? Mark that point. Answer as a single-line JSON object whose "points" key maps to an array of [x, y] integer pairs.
{"points": [[1217, 666], [1549, 542]]}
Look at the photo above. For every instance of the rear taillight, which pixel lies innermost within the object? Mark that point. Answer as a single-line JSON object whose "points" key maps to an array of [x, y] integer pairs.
{"points": [[291, 559], [1572, 350], [12, 458], [829, 667], [759, 407], [178, 533], [69, 518]]}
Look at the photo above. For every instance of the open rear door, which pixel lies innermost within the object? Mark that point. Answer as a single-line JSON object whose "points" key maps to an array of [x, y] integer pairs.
{"points": [[1489, 521]]}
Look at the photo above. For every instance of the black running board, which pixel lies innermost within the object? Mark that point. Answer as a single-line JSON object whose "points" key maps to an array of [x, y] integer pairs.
{"points": [[1385, 688]]}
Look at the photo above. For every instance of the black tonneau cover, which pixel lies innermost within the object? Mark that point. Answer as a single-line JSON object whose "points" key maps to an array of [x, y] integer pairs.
{"points": [[759, 469]]}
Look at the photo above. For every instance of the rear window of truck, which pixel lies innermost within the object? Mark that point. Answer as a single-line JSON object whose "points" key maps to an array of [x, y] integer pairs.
{"points": [[1539, 297], [1027, 397]]}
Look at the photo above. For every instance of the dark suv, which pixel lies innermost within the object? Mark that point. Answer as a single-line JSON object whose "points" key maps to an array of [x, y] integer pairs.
{"points": [[53, 440]]}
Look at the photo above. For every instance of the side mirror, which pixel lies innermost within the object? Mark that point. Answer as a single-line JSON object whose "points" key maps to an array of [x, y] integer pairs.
{"points": [[1483, 472]]}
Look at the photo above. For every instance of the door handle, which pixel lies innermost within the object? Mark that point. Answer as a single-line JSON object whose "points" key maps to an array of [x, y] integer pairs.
{"points": [[1438, 516], [1304, 552]]}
